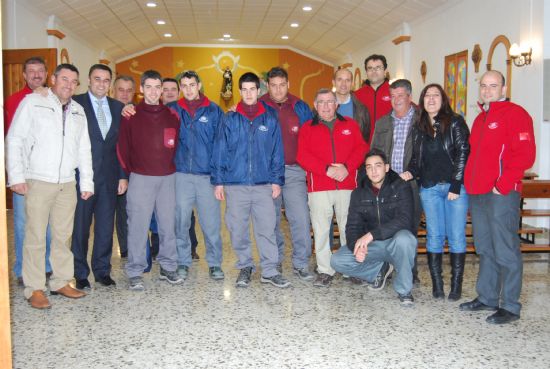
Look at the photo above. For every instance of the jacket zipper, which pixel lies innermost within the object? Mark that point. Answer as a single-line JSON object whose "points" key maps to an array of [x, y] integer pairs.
{"points": [[333, 148], [191, 141], [250, 132], [64, 116], [378, 211]]}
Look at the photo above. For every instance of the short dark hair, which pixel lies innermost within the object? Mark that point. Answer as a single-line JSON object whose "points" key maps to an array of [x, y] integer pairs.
{"points": [[68, 66], [150, 74], [190, 74], [377, 152], [405, 83], [126, 78], [249, 77], [277, 72], [171, 80], [34, 60], [382, 58], [100, 67]]}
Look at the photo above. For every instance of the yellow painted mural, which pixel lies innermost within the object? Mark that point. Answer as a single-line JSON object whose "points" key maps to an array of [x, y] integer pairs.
{"points": [[306, 75]]}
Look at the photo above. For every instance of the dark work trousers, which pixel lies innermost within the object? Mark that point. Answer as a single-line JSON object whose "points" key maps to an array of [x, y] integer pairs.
{"points": [[122, 223], [495, 220], [101, 208]]}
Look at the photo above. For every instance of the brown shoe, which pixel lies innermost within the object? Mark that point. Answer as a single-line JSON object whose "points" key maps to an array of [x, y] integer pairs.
{"points": [[38, 300], [69, 292]]}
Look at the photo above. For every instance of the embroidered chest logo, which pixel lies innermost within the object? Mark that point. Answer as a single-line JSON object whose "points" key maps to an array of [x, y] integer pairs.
{"points": [[386, 98], [203, 119], [346, 132], [263, 128], [171, 142], [294, 129], [524, 136], [493, 125]]}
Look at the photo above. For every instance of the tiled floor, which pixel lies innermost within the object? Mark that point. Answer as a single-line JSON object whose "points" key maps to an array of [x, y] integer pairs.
{"points": [[208, 324]]}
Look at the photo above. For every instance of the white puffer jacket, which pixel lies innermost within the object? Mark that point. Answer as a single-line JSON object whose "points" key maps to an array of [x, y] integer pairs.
{"points": [[41, 144]]}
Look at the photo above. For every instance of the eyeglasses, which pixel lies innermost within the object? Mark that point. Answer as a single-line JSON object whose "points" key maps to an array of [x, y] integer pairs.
{"points": [[326, 102], [375, 69]]}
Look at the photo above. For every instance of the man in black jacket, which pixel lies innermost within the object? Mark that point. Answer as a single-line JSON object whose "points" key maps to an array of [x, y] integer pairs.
{"points": [[380, 229]]}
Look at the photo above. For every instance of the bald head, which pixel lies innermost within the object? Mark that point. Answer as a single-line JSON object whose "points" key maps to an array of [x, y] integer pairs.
{"points": [[342, 82], [492, 87]]}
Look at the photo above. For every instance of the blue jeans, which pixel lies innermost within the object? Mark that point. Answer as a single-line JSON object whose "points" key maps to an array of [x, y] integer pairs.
{"points": [[19, 221], [398, 251], [444, 218], [196, 190]]}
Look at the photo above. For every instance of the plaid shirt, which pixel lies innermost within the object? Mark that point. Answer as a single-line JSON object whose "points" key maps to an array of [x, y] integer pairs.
{"points": [[400, 130]]}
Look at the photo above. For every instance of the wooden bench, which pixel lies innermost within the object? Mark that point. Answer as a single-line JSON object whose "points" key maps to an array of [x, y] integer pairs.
{"points": [[532, 189]]}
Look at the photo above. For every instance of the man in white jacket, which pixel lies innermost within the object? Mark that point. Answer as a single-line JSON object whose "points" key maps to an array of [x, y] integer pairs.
{"points": [[47, 140]]}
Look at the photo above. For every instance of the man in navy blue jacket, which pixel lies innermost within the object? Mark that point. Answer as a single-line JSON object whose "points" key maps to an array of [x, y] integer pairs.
{"points": [[103, 114], [248, 171], [199, 119]]}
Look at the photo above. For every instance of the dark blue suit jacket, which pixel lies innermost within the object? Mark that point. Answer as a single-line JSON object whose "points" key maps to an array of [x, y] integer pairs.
{"points": [[107, 170]]}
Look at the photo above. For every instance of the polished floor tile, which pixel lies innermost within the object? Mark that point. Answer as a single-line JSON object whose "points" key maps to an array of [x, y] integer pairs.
{"points": [[212, 324]]}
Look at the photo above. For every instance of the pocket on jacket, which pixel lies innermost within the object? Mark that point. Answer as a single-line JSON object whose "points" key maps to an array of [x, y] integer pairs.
{"points": [[169, 137]]}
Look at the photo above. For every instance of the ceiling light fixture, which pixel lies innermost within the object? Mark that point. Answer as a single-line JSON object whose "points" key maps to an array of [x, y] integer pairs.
{"points": [[167, 35], [284, 37], [294, 25], [161, 22], [307, 8], [151, 4], [227, 35]]}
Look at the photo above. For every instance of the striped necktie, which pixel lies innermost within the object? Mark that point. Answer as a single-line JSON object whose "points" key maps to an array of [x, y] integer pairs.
{"points": [[101, 119]]}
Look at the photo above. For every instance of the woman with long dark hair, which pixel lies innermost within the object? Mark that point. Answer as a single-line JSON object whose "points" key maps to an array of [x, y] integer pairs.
{"points": [[440, 151]]}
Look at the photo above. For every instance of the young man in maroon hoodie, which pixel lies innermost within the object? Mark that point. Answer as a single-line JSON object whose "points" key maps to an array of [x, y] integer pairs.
{"points": [[146, 150], [502, 148]]}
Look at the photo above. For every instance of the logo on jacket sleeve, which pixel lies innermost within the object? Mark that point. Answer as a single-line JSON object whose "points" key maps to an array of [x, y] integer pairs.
{"points": [[346, 132], [524, 136], [493, 125], [263, 128], [203, 119]]}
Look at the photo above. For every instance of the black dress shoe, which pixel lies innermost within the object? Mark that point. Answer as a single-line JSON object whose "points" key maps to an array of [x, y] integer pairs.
{"points": [[502, 316], [83, 284], [476, 305], [106, 281]]}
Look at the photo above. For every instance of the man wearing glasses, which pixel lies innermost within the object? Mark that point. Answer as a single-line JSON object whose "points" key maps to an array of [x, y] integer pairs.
{"points": [[330, 149], [375, 93]]}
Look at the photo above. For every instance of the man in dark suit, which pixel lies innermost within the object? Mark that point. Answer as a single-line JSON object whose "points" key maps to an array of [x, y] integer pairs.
{"points": [[103, 114]]}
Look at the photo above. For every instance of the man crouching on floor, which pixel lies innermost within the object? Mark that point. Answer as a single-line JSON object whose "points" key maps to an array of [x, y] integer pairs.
{"points": [[379, 230]]}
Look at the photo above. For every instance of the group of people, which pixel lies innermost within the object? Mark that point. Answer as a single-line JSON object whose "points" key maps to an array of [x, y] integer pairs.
{"points": [[371, 158]]}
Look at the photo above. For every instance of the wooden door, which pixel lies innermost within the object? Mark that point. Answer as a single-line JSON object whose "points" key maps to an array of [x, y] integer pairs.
{"points": [[12, 65]]}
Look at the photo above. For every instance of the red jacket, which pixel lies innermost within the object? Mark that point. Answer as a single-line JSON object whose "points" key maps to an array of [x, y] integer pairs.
{"points": [[11, 105], [318, 147], [502, 148], [377, 101]]}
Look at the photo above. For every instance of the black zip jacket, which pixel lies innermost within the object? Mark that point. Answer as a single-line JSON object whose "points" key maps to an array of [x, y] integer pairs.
{"points": [[456, 145], [383, 215]]}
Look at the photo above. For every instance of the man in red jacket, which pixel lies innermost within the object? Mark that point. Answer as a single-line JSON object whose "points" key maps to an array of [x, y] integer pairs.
{"points": [[502, 147], [375, 93], [330, 149]]}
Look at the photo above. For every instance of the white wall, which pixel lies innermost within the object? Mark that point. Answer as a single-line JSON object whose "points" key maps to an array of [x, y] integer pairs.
{"points": [[25, 28], [460, 25]]}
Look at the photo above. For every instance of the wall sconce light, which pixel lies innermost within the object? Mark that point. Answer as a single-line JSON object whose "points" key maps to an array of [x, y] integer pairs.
{"points": [[521, 55]]}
